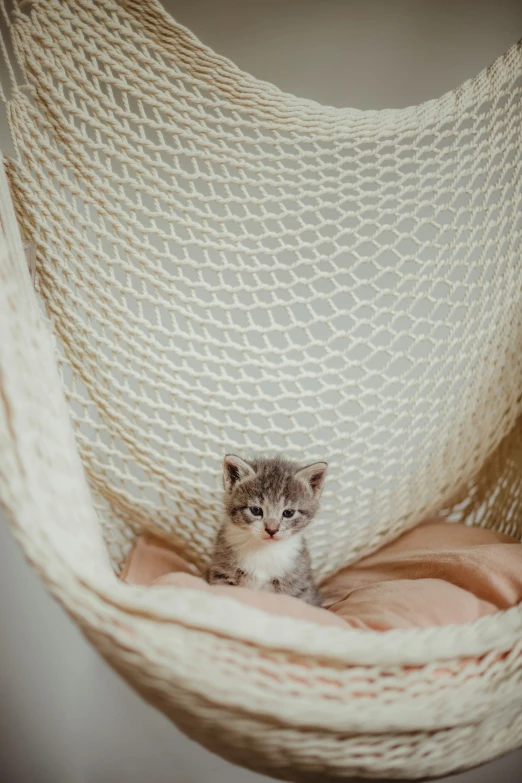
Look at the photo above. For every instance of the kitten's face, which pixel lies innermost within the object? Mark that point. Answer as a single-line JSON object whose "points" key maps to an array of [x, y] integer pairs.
{"points": [[271, 499]]}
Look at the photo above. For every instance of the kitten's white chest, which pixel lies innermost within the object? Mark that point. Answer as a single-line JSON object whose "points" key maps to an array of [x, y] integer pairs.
{"points": [[264, 562]]}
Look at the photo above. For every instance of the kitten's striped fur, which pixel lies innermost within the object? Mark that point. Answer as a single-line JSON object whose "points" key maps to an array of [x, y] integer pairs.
{"points": [[260, 544]]}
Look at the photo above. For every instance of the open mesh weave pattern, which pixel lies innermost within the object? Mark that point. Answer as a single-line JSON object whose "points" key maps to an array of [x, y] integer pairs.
{"points": [[228, 268]]}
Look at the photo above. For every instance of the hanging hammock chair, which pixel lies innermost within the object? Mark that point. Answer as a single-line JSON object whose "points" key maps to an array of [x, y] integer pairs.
{"points": [[221, 264]]}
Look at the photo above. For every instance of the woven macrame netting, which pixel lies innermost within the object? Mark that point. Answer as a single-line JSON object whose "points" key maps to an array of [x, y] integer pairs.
{"points": [[229, 268]]}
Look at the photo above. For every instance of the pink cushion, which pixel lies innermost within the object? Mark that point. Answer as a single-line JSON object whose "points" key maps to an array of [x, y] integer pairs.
{"points": [[437, 574]]}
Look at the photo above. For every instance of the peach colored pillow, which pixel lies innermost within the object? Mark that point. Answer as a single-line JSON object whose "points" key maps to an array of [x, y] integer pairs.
{"points": [[437, 574]]}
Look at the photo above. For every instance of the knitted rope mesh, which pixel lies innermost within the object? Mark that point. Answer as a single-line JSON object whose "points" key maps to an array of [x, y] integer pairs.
{"points": [[228, 268], [223, 266]]}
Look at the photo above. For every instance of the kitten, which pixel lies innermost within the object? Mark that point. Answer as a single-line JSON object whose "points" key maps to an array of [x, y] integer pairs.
{"points": [[268, 504]]}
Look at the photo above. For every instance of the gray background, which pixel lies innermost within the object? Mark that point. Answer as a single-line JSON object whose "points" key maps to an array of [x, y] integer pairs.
{"points": [[64, 716]]}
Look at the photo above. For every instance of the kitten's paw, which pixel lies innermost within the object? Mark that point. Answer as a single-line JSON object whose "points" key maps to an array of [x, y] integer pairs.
{"points": [[219, 578]]}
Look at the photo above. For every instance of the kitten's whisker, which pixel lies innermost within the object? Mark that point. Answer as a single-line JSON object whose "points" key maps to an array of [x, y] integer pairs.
{"points": [[246, 544], [246, 548]]}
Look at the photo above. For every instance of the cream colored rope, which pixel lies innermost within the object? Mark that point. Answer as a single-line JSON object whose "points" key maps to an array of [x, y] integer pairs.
{"points": [[226, 267], [230, 268]]}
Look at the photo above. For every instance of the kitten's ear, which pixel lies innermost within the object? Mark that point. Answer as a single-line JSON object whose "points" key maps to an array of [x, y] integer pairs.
{"points": [[313, 476], [235, 469]]}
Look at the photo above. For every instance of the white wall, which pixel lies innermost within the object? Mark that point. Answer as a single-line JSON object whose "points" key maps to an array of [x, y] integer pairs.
{"points": [[64, 716]]}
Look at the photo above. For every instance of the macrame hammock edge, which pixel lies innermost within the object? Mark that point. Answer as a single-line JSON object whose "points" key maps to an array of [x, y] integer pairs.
{"points": [[433, 701]]}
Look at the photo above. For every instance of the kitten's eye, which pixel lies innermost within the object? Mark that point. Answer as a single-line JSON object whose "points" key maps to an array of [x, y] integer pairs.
{"points": [[256, 511], [288, 512]]}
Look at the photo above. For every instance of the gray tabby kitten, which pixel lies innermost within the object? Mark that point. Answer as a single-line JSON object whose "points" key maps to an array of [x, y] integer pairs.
{"points": [[268, 504]]}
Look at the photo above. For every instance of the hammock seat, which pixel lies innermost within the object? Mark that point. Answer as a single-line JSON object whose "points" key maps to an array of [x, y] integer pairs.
{"points": [[220, 264]]}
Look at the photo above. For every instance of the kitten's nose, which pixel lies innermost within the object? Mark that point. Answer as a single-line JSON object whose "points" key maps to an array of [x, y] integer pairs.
{"points": [[271, 526]]}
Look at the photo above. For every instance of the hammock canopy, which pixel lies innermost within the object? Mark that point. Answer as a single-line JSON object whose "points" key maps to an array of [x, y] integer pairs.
{"points": [[223, 266]]}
